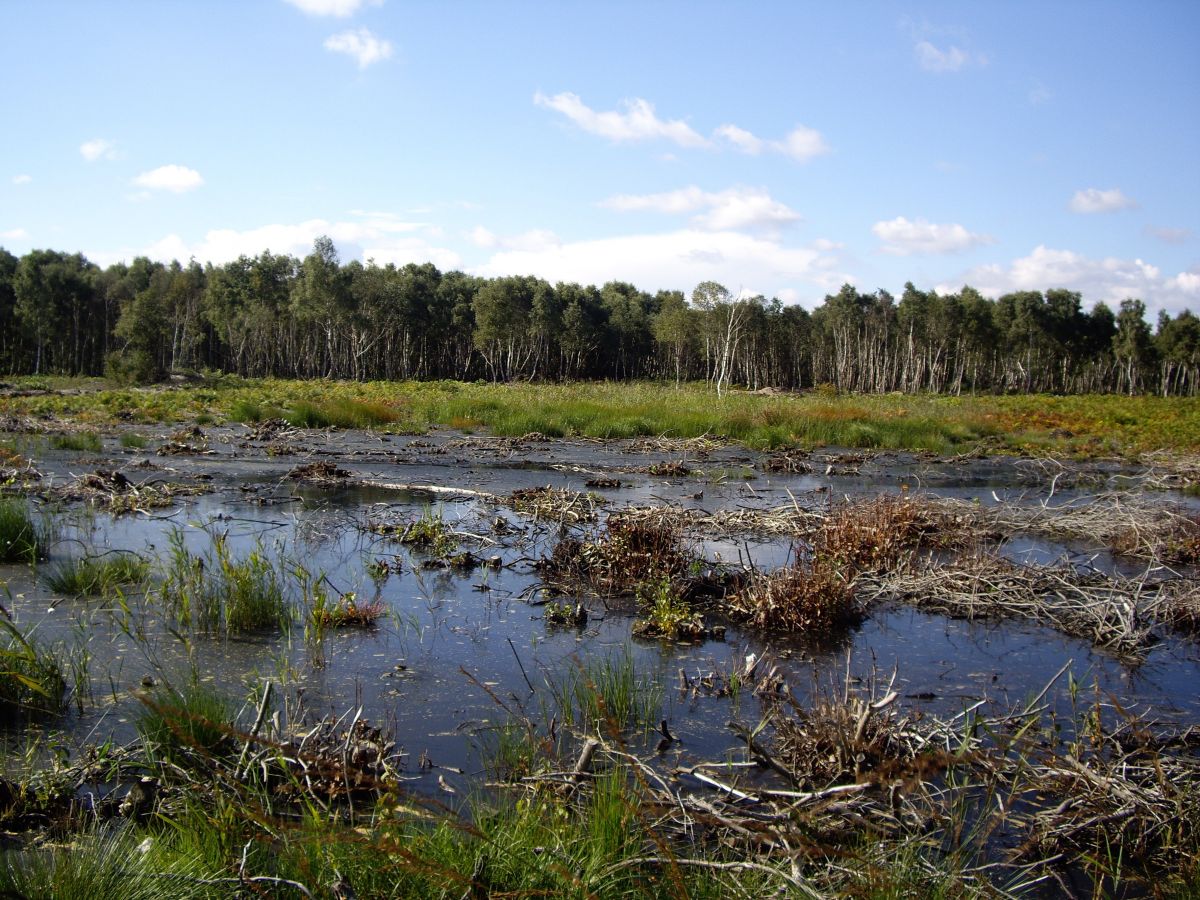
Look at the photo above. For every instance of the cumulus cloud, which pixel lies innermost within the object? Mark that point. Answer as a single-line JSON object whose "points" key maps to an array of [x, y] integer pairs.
{"points": [[675, 260], [734, 208], [1110, 280], [339, 9], [1170, 235], [376, 236], [534, 240], [801, 144], [14, 234], [360, 45], [636, 121], [1094, 200], [173, 178], [741, 138], [901, 237], [22, 179], [482, 237], [98, 148], [934, 59]]}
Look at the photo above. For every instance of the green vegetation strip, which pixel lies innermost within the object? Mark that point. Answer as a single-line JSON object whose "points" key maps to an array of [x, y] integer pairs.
{"points": [[1089, 425]]}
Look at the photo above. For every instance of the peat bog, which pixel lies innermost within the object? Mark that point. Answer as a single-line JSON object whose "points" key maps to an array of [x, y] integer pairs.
{"points": [[279, 657]]}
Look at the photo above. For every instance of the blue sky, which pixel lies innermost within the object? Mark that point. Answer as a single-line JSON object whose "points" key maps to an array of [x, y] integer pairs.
{"points": [[778, 148]]}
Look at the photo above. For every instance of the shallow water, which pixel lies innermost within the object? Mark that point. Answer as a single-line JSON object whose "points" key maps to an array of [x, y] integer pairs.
{"points": [[457, 648]]}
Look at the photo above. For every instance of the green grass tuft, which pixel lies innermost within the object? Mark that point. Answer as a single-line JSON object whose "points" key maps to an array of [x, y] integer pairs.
{"points": [[31, 677], [21, 540], [97, 575], [216, 592], [81, 441], [341, 414], [195, 721]]}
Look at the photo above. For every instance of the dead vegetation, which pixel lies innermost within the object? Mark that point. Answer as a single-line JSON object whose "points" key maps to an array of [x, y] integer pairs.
{"points": [[319, 472], [698, 446], [1181, 606], [1128, 523], [817, 593], [989, 802], [929, 553], [1118, 614], [559, 505], [618, 560], [114, 492], [15, 469], [795, 462]]}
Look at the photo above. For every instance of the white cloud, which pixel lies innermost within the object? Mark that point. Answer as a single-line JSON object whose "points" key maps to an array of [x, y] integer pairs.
{"points": [[826, 245], [14, 234], [1110, 280], [339, 9], [22, 179], [372, 235], [904, 238], [361, 45], [1039, 94], [741, 138], [637, 121], [675, 260], [801, 144], [98, 148], [482, 237], [535, 240], [1094, 200], [934, 59], [173, 178], [1170, 235], [733, 208]]}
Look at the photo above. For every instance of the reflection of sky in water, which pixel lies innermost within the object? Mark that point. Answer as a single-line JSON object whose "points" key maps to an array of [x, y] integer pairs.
{"points": [[451, 632]]}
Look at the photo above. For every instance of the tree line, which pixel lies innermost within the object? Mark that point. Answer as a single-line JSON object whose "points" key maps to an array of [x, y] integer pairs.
{"points": [[276, 315]]}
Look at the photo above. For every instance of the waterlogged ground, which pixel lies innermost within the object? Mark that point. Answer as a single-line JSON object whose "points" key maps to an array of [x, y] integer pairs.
{"points": [[459, 651]]}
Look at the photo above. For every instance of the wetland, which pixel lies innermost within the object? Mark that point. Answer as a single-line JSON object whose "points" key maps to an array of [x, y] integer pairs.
{"points": [[264, 657]]}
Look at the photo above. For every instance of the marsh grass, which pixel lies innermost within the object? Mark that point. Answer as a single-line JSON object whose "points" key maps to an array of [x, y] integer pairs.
{"points": [[607, 695], [80, 441], [110, 862], [132, 440], [185, 724], [21, 539], [31, 677], [1089, 425], [217, 592], [97, 575], [341, 414]]}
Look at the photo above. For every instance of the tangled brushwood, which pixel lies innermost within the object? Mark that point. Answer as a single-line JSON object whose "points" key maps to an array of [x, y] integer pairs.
{"points": [[618, 560]]}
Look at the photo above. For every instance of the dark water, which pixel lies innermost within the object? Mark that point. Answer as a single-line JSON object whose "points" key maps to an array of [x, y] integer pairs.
{"points": [[456, 648]]}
